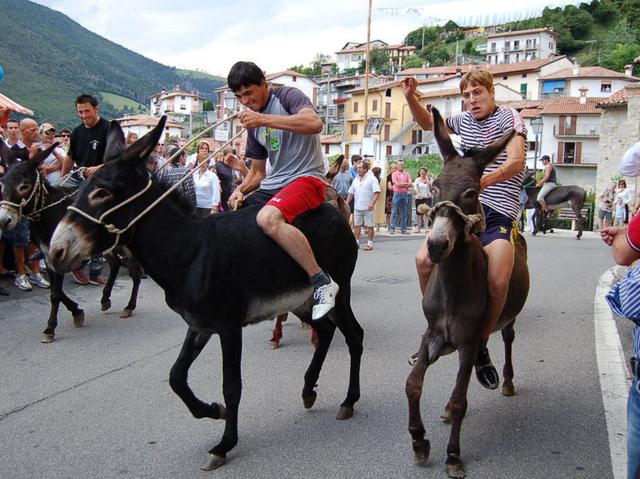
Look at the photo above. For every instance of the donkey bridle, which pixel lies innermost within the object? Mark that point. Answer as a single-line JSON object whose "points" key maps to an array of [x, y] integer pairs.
{"points": [[473, 223], [111, 228]]}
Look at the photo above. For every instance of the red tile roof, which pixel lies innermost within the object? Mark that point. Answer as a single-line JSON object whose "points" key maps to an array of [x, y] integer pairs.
{"points": [[378, 87], [441, 93], [588, 72], [531, 65], [292, 73], [620, 97], [570, 105], [530, 113]]}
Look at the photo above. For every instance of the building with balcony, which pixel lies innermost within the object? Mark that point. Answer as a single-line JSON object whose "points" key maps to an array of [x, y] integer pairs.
{"points": [[176, 103], [352, 54], [601, 82], [521, 45], [142, 124]]}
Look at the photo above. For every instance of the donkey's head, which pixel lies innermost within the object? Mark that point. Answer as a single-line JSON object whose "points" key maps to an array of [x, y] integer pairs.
{"points": [[457, 190], [21, 187], [101, 210]]}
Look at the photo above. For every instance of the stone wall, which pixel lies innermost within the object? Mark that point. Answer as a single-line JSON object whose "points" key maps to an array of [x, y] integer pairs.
{"points": [[619, 130]]}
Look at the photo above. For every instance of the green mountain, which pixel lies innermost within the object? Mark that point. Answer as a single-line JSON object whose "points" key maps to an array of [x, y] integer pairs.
{"points": [[48, 60]]}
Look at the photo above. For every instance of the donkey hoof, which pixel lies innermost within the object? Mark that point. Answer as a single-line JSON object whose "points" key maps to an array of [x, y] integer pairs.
{"points": [[46, 338], [78, 320], [274, 344], [345, 412], [421, 450], [213, 462], [508, 390], [105, 305], [310, 400], [126, 313], [455, 468]]}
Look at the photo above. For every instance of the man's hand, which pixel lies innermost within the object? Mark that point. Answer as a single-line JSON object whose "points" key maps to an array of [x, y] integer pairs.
{"points": [[251, 119], [235, 200], [371, 206], [409, 87], [34, 149], [237, 164], [610, 233], [90, 170]]}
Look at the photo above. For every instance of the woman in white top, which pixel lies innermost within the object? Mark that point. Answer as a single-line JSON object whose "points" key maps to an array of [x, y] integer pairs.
{"points": [[422, 186], [623, 192], [52, 164], [206, 184]]}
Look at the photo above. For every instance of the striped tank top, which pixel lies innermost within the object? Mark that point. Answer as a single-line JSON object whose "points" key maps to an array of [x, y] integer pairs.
{"points": [[502, 197]]}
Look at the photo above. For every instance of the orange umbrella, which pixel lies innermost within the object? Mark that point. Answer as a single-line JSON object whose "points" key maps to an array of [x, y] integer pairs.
{"points": [[7, 105]]}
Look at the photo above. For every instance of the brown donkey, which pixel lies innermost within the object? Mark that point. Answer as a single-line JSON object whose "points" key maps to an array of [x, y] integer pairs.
{"points": [[456, 295]]}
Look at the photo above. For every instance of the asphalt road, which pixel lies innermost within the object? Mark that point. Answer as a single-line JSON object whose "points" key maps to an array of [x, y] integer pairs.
{"points": [[96, 402]]}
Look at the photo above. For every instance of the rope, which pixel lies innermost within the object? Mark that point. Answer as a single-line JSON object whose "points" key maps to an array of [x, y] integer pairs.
{"points": [[39, 184], [473, 223], [119, 231]]}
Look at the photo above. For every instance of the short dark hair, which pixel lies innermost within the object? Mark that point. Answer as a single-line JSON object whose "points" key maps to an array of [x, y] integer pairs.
{"points": [[65, 130], [244, 74], [355, 159], [545, 157], [13, 120], [85, 98]]}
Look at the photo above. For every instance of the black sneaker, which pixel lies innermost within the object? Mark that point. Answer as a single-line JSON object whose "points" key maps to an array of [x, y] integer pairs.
{"points": [[485, 372]]}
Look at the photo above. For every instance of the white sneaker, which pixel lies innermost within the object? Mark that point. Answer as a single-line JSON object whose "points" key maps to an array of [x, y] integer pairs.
{"points": [[324, 299], [39, 280], [22, 282]]}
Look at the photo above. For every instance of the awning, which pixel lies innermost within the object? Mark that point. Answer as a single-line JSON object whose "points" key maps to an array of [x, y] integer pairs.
{"points": [[7, 105]]}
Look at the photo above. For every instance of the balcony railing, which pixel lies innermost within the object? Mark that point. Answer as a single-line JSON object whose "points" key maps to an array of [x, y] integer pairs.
{"points": [[591, 130], [589, 158]]}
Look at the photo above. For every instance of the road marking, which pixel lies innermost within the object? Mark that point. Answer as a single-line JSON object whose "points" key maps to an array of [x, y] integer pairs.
{"points": [[613, 375]]}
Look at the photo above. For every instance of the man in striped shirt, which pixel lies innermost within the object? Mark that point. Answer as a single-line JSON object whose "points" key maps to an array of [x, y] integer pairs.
{"points": [[482, 123], [624, 299]]}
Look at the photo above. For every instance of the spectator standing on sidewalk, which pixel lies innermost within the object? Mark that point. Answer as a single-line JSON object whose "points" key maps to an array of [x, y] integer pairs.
{"points": [[365, 191], [343, 179], [401, 180], [422, 185], [606, 205]]}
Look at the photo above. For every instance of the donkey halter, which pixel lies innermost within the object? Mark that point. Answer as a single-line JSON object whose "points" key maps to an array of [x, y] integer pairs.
{"points": [[111, 228], [39, 196], [473, 223]]}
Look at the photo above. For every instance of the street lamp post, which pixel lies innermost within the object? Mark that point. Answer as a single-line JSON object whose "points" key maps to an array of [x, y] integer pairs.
{"points": [[230, 102], [536, 126]]}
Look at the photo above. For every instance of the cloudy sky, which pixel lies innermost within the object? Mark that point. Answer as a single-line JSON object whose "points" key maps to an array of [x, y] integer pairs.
{"points": [[212, 35]]}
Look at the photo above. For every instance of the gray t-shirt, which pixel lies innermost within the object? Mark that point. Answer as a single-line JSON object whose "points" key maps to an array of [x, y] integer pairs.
{"points": [[291, 155]]}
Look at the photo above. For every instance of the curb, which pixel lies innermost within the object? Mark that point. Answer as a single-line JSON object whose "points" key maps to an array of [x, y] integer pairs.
{"points": [[612, 373]]}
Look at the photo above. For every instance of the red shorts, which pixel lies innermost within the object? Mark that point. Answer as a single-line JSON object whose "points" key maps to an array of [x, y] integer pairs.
{"points": [[303, 194]]}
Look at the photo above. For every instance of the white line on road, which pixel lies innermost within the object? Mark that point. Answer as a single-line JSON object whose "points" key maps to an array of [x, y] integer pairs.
{"points": [[613, 374]]}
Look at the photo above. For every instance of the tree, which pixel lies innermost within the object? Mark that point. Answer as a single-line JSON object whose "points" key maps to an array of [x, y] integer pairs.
{"points": [[207, 105], [621, 55], [379, 61], [468, 48], [604, 12], [578, 22]]}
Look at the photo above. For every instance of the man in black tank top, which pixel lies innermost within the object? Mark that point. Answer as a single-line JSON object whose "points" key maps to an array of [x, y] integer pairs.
{"points": [[548, 182]]}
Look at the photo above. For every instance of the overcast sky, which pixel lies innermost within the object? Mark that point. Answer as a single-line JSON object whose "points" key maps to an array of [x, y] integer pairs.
{"points": [[212, 35]]}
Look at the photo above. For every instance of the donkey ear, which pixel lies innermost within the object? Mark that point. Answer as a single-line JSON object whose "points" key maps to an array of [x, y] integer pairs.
{"points": [[142, 148], [40, 156], [115, 142], [6, 154], [487, 155], [442, 136]]}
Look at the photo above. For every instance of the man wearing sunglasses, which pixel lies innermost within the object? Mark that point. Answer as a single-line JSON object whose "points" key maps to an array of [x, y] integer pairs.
{"points": [[51, 165]]}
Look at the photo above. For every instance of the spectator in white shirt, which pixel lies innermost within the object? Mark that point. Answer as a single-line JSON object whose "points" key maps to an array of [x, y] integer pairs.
{"points": [[364, 191], [206, 183], [422, 185]]}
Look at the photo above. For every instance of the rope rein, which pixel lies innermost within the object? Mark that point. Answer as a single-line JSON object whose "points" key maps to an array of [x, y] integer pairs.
{"points": [[41, 198], [119, 231], [473, 223]]}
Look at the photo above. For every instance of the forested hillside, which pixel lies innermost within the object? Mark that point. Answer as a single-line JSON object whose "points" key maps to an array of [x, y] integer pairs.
{"points": [[48, 59], [602, 32]]}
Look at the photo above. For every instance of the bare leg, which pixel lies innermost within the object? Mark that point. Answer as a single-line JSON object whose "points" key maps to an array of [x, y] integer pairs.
{"points": [[424, 266]]}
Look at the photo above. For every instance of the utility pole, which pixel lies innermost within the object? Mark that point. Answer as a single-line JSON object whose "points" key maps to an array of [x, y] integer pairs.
{"points": [[326, 108], [366, 72]]}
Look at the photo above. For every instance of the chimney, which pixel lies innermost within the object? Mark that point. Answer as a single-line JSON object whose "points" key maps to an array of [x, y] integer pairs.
{"points": [[177, 88], [628, 70], [576, 69], [583, 95]]}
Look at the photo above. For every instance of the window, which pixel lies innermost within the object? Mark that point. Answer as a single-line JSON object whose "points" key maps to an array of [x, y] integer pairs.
{"points": [[389, 150], [532, 146], [294, 78], [505, 77], [523, 90], [550, 45], [374, 105], [326, 148], [605, 87], [507, 46], [182, 98], [535, 40], [516, 45], [387, 110], [354, 128], [387, 132], [183, 107], [388, 92], [493, 47], [524, 75], [355, 107], [517, 57]]}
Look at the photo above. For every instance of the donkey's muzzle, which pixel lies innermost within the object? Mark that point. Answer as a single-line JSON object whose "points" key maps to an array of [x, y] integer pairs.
{"points": [[438, 248]]}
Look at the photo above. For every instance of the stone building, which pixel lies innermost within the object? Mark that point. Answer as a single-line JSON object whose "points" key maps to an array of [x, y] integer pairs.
{"points": [[619, 130]]}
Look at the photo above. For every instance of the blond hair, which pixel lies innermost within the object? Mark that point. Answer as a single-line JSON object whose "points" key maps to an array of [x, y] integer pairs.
{"points": [[479, 77]]}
